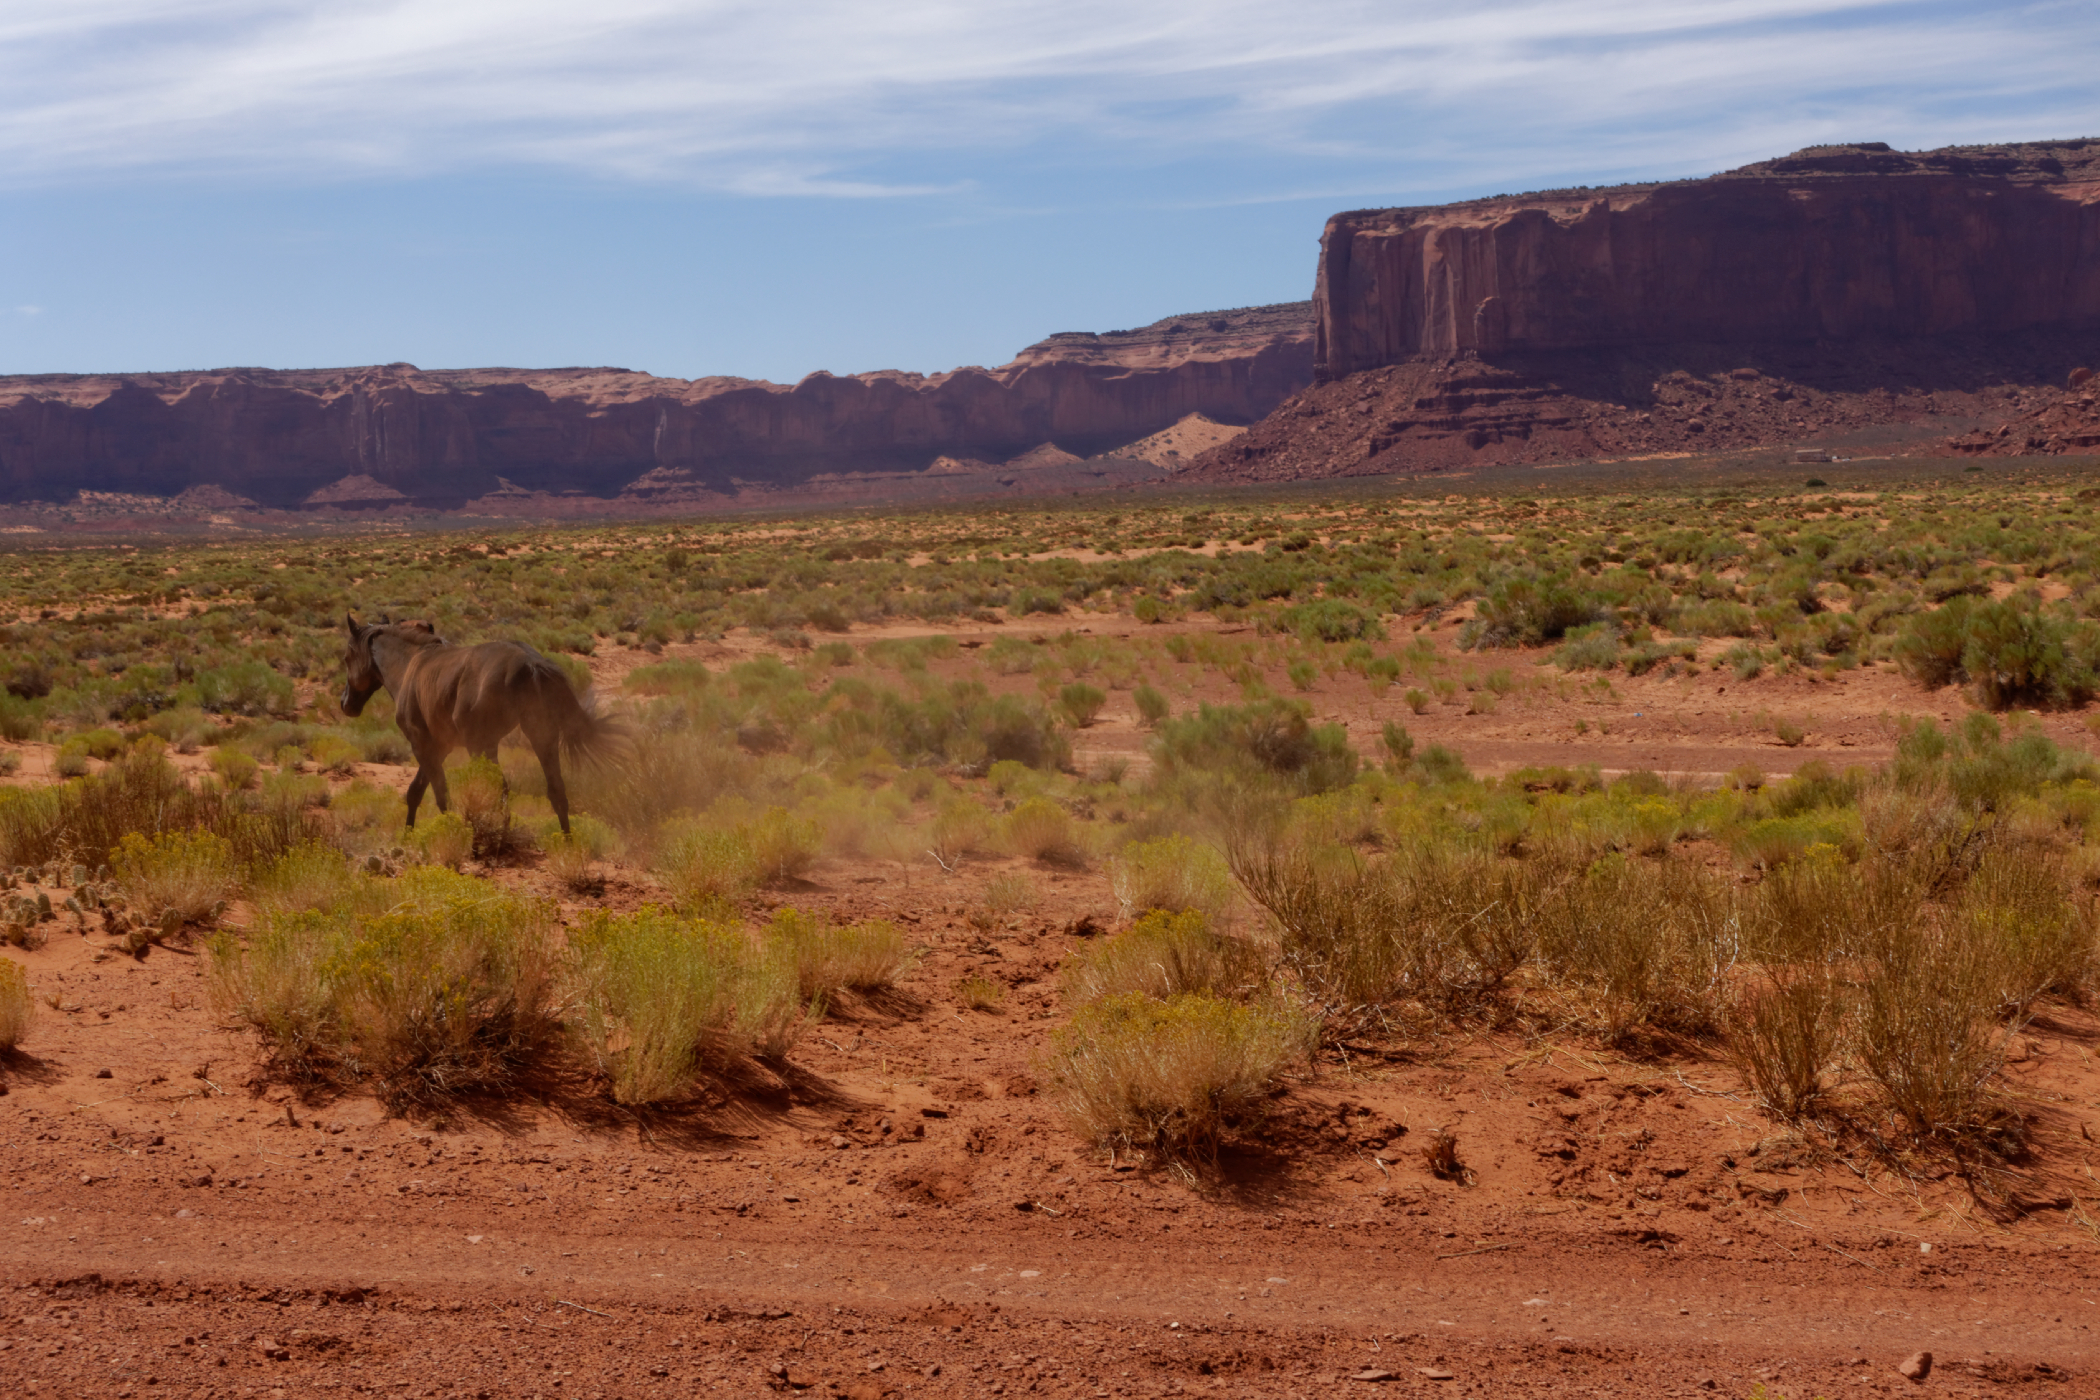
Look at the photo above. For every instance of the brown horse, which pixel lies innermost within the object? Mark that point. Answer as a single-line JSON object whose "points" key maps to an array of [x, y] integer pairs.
{"points": [[448, 697]]}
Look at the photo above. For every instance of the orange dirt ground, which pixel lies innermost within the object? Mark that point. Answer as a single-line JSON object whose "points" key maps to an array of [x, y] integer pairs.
{"points": [[905, 1215]]}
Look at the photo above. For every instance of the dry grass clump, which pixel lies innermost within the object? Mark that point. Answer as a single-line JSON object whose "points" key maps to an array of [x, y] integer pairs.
{"points": [[1172, 872], [17, 1007], [865, 957], [571, 853], [481, 796], [450, 991], [658, 996], [1172, 1076], [979, 992], [2020, 908], [705, 863], [1162, 955], [1929, 1034], [140, 792], [1784, 1036], [1647, 944], [187, 873], [444, 839], [312, 876], [959, 830], [1443, 927]]}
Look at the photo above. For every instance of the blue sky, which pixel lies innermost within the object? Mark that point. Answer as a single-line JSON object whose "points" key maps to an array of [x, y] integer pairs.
{"points": [[771, 187]]}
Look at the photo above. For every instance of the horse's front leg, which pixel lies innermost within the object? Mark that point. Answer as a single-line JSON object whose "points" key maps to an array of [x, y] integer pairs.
{"points": [[415, 794]]}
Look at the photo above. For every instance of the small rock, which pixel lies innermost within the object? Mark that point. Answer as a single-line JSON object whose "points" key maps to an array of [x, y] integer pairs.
{"points": [[1434, 1373], [1916, 1368], [185, 1215], [273, 1349], [102, 1074], [1924, 1246], [1372, 1376], [839, 1142]]}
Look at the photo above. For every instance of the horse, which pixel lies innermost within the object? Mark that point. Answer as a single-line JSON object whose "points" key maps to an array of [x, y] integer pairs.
{"points": [[448, 697]]}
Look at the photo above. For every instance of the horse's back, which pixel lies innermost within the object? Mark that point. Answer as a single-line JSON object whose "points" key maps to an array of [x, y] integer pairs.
{"points": [[457, 692]]}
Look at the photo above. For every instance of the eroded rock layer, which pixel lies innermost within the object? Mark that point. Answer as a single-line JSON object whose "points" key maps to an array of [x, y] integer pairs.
{"points": [[382, 435]]}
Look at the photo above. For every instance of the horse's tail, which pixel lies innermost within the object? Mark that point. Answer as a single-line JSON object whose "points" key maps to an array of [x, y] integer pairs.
{"points": [[588, 735]]}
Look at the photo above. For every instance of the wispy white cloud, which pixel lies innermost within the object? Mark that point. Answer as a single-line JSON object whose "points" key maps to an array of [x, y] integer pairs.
{"points": [[843, 98]]}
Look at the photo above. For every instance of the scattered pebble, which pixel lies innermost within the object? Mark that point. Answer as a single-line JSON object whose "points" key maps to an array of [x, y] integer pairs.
{"points": [[1916, 1368]]}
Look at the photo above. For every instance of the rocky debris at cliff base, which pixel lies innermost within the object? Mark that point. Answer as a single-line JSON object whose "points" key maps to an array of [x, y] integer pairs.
{"points": [[2052, 424], [1455, 413]]}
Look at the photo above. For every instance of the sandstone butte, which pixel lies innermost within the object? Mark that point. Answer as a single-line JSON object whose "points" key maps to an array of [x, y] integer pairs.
{"points": [[1937, 301], [396, 435]]}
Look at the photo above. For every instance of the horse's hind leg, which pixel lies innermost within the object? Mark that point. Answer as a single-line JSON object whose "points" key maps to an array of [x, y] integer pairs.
{"points": [[549, 753], [430, 773]]}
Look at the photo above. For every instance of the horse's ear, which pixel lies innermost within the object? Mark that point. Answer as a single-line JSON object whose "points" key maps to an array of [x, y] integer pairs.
{"points": [[350, 622]]}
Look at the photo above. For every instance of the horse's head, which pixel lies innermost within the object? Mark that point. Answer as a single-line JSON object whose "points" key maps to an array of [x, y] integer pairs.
{"points": [[363, 672]]}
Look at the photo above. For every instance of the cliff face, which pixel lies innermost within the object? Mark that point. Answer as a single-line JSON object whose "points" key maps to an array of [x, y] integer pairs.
{"points": [[286, 437], [1832, 243], [1855, 297]]}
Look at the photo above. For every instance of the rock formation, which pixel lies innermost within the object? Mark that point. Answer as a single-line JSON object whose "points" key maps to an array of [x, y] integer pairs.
{"points": [[394, 434], [1833, 290]]}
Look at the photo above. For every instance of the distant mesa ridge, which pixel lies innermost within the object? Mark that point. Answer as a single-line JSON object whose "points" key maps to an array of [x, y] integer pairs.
{"points": [[1834, 242], [1571, 323], [382, 435]]}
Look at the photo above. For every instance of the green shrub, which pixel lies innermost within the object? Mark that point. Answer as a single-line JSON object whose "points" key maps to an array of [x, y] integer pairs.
{"points": [[451, 991], [246, 688], [1528, 612], [1163, 954], [1175, 1076], [1151, 705], [1081, 703], [104, 744], [1041, 830], [1007, 777], [334, 754], [657, 997], [1331, 620], [234, 768], [783, 845], [1266, 738], [702, 866], [2012, 655], [19, 719]]}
